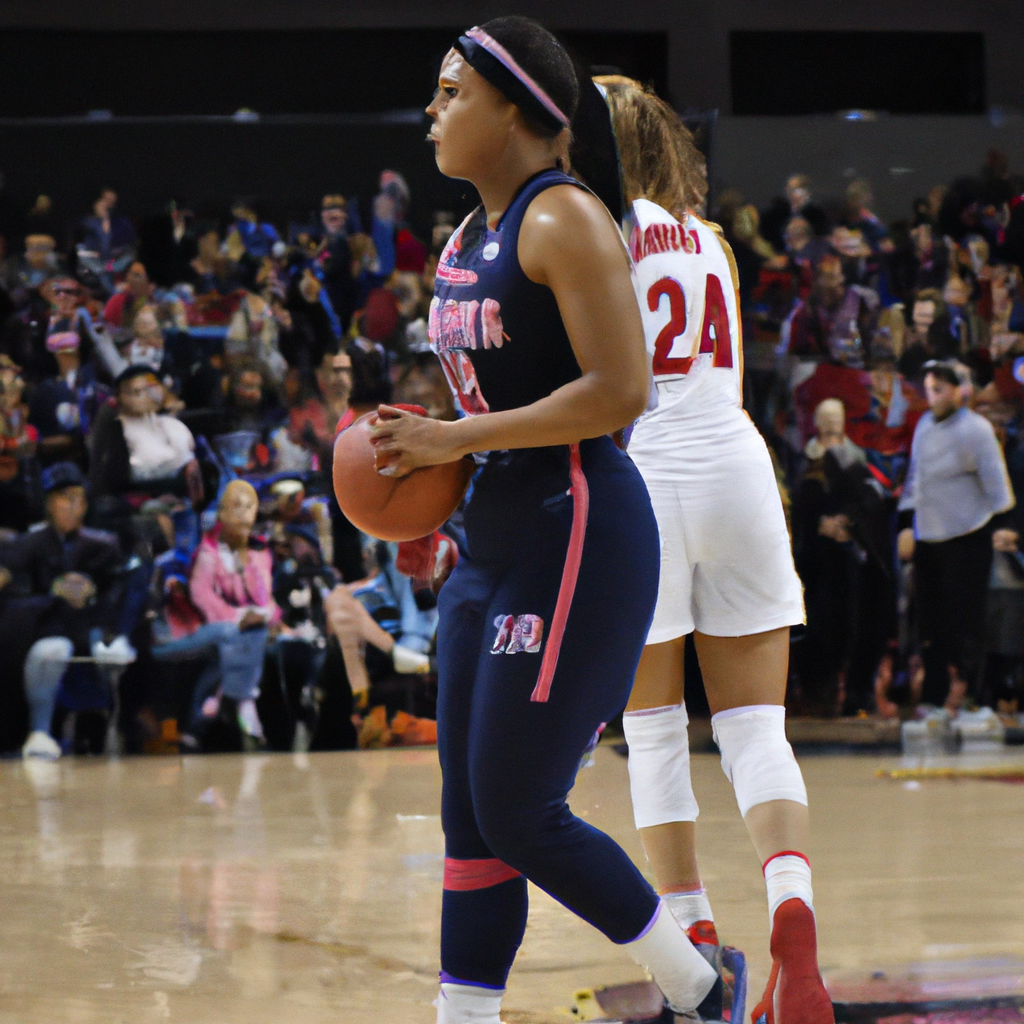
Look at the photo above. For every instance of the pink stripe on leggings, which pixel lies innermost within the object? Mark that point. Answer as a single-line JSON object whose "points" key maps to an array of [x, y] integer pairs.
{"points": [[580, 511], [467, 875]]}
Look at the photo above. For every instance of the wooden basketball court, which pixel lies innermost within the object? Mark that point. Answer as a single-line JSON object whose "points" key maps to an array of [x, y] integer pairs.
{"points": [[305, 889]]}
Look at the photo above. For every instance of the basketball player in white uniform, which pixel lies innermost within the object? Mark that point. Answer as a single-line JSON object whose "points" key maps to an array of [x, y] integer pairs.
{"points": [[727, 572]]}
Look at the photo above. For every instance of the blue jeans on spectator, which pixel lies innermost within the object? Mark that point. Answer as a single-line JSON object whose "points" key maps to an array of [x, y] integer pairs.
{"points": [[236, 660], [47, 661]]}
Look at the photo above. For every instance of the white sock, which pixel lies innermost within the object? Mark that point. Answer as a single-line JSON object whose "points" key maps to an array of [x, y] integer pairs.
{"points": [[249, 718], [787, 876], [468, 1004], [665, 952], [689, 907]]}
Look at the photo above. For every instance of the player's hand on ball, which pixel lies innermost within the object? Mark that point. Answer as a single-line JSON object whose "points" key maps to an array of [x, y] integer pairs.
{"points": [[404, 441]]}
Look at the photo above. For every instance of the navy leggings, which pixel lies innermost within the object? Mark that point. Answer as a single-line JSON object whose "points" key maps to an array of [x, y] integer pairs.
{"points": [[508, 761]]}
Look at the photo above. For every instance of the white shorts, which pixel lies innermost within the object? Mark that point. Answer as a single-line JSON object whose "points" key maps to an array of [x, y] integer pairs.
{"points": [[726, 556]]}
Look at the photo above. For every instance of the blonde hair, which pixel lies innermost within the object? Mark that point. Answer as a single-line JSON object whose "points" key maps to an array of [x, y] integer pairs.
{"points": [[656, 150], [235, 487]]}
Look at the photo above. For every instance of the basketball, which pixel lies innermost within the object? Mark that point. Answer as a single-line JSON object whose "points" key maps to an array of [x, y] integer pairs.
{"points": [[394, 508]]}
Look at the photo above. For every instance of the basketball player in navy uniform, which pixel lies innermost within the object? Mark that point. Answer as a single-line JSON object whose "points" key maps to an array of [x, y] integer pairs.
{"points": [[543, 621]]}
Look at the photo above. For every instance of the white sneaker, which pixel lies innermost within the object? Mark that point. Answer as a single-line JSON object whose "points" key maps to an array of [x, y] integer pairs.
{"points": [[409, 662], [41, 745], [117, 652]]}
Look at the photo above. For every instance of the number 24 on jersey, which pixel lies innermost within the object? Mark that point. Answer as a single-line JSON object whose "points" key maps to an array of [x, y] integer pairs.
{"points": [[714, 335]]}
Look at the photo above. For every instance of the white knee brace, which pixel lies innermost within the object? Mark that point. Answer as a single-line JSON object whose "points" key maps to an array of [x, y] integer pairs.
{"points": [[659, 766], [756, 756]]}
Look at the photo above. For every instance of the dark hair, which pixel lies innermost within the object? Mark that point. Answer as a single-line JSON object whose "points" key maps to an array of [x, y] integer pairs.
{"points": [[943, 371], [543, 58]]}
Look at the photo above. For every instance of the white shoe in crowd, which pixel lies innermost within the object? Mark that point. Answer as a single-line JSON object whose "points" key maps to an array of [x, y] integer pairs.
{"points": [[117, 652], [409, 662], [41, 745]]}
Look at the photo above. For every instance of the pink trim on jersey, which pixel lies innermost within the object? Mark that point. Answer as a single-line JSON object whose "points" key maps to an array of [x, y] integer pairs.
{"points": [[496, 50], [574, 556], [784, 853], [467, 875]]}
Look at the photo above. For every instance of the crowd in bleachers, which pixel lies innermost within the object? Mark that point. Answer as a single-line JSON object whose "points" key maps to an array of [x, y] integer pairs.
{"points": [[170, 391], [171, 547], [885, 365]]}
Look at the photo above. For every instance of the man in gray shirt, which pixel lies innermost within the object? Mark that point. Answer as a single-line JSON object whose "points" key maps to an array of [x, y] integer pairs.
{"points": [[956, 483]]}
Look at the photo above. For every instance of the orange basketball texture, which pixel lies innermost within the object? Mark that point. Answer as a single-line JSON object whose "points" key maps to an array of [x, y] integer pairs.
{"points": [[393, 508]]}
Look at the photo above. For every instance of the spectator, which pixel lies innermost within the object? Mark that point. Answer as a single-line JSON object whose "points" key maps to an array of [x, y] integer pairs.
{"points": [[75, 578], [255, 327], [335, 259], [859, 217], [371, 362], [104, 234], [120, 310], [956, 483], [18, 504], [63, 405], [919, 265], [389, 209], [210, 270], [136, 451], [248, 236], [928, 336], [231, 584], [22, 275], [797, 203], [831, 323]]}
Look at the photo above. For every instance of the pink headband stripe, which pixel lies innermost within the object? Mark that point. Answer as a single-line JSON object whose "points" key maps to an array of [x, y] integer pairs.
{"points": [[496, 50]]}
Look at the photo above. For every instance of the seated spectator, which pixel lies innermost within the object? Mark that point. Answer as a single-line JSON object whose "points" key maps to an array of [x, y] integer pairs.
{"points": [[843, 551], [231, 584], [335, 258], [371, 383], [22, 275], [928, 336], [242, 428], [74, 578], [921, 264], [210, 270], [18, 503], [254, 329], [170, 353], [886, 428], [797, 203], [137, 452], [120, 310], [859, 217], [968, 330], [806, 250], [831, 323], [63, 405], [104, 234], [389, 208]]}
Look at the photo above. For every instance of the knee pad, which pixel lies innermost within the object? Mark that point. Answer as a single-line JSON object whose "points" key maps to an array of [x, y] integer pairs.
{"points": [[756, 756], [659, 766]]}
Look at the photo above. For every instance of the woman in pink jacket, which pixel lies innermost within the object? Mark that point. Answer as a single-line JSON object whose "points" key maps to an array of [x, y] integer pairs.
{"points": [[231, 585]]}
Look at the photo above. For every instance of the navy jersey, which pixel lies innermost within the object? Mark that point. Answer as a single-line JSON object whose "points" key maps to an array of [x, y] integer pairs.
{"points": [[499, 335]]}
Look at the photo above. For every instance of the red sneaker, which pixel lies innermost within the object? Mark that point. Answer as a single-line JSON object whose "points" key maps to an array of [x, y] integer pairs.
{"points": [[795, 993]]}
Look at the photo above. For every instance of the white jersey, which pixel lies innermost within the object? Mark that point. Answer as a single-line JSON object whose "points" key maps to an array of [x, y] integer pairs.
{"points": [[726, 562], [687, 287]]}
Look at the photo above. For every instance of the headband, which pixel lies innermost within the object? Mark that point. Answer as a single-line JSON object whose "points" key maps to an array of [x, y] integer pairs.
{"points": [[489, 58]]}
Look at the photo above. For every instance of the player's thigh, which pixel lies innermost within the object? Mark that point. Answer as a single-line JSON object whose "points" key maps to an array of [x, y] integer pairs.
{"points": [[740, 671], [659, 677], [673, 616], [744, 579]]}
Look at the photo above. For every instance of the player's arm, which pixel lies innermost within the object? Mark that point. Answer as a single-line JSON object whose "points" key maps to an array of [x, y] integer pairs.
{"points": [[570, 244]]}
